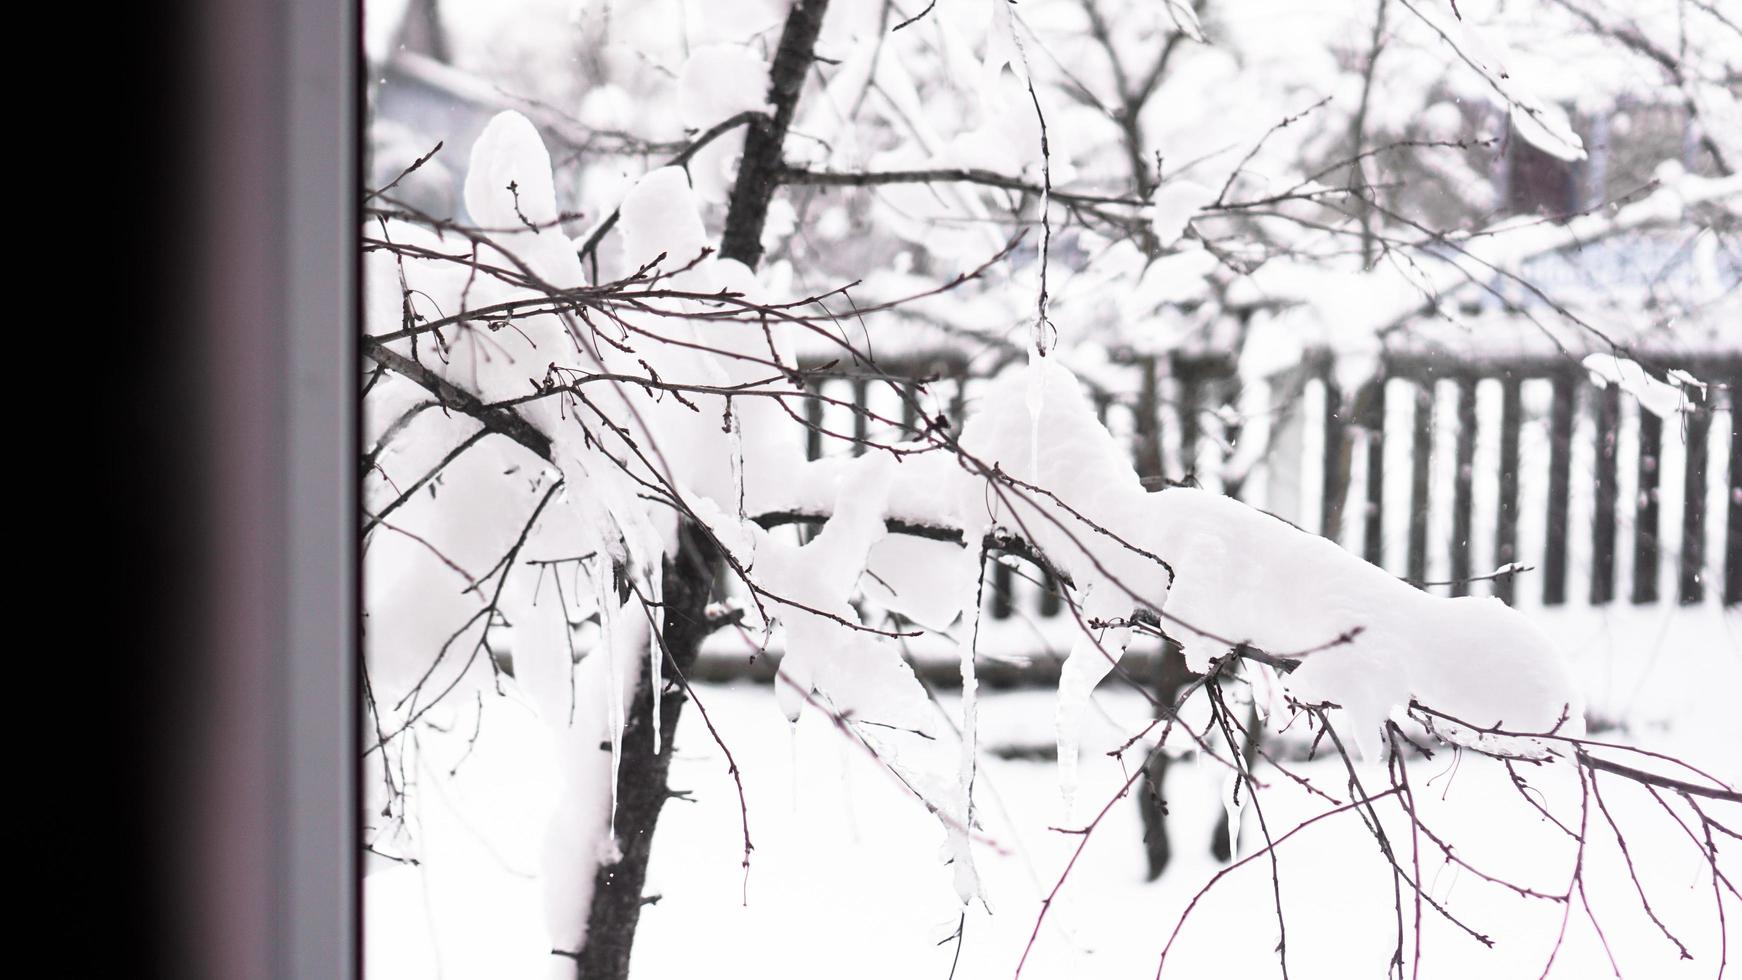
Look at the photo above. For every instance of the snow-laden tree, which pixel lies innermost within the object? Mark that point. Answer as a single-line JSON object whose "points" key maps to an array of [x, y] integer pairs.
{"points": [[586, 400]]}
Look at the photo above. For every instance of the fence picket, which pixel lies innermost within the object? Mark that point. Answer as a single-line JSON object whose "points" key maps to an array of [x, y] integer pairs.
{"points": [[1463, 478], [1421, 452], [1646, 546], [1690, 585], [1603, 521], [1338, 460], [1506, 509], [1733, 530], [1371, 415], [1392, 472], [1560, 449]]}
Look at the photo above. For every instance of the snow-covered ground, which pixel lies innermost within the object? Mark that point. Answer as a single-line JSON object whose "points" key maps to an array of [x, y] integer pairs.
{"points": [[848, 878]]}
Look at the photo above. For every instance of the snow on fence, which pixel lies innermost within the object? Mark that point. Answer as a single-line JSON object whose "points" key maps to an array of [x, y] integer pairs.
{"points": [[1520, 478]]}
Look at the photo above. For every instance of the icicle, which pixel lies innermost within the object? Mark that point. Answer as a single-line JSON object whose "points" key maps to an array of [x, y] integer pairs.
{"points": [[1090, 660], [967, 879], [849, 812], [1077, 681], [792, 758], [735, 434], [1233, 802], [1036, 400], [970, 720], [655, 658], [1444, 895], [605, 585]]}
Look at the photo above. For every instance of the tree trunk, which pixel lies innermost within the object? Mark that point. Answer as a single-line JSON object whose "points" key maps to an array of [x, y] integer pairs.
{"points": [[1222, 842], [760, 169], [1151, 799], [641, 780], [689, 575], [1151, 803]]}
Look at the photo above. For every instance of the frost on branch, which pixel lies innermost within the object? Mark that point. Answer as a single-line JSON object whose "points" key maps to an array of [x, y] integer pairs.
{"points": [[1541, 123], [587, 520], [1175, 204], [694, 425], [1217, 572], [661, 393], [929, 582], [1660, 398], [861, 676], [1366, 641]]}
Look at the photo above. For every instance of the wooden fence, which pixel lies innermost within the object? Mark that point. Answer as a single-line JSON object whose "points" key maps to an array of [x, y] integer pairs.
{"points": [[1438, 470]]}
